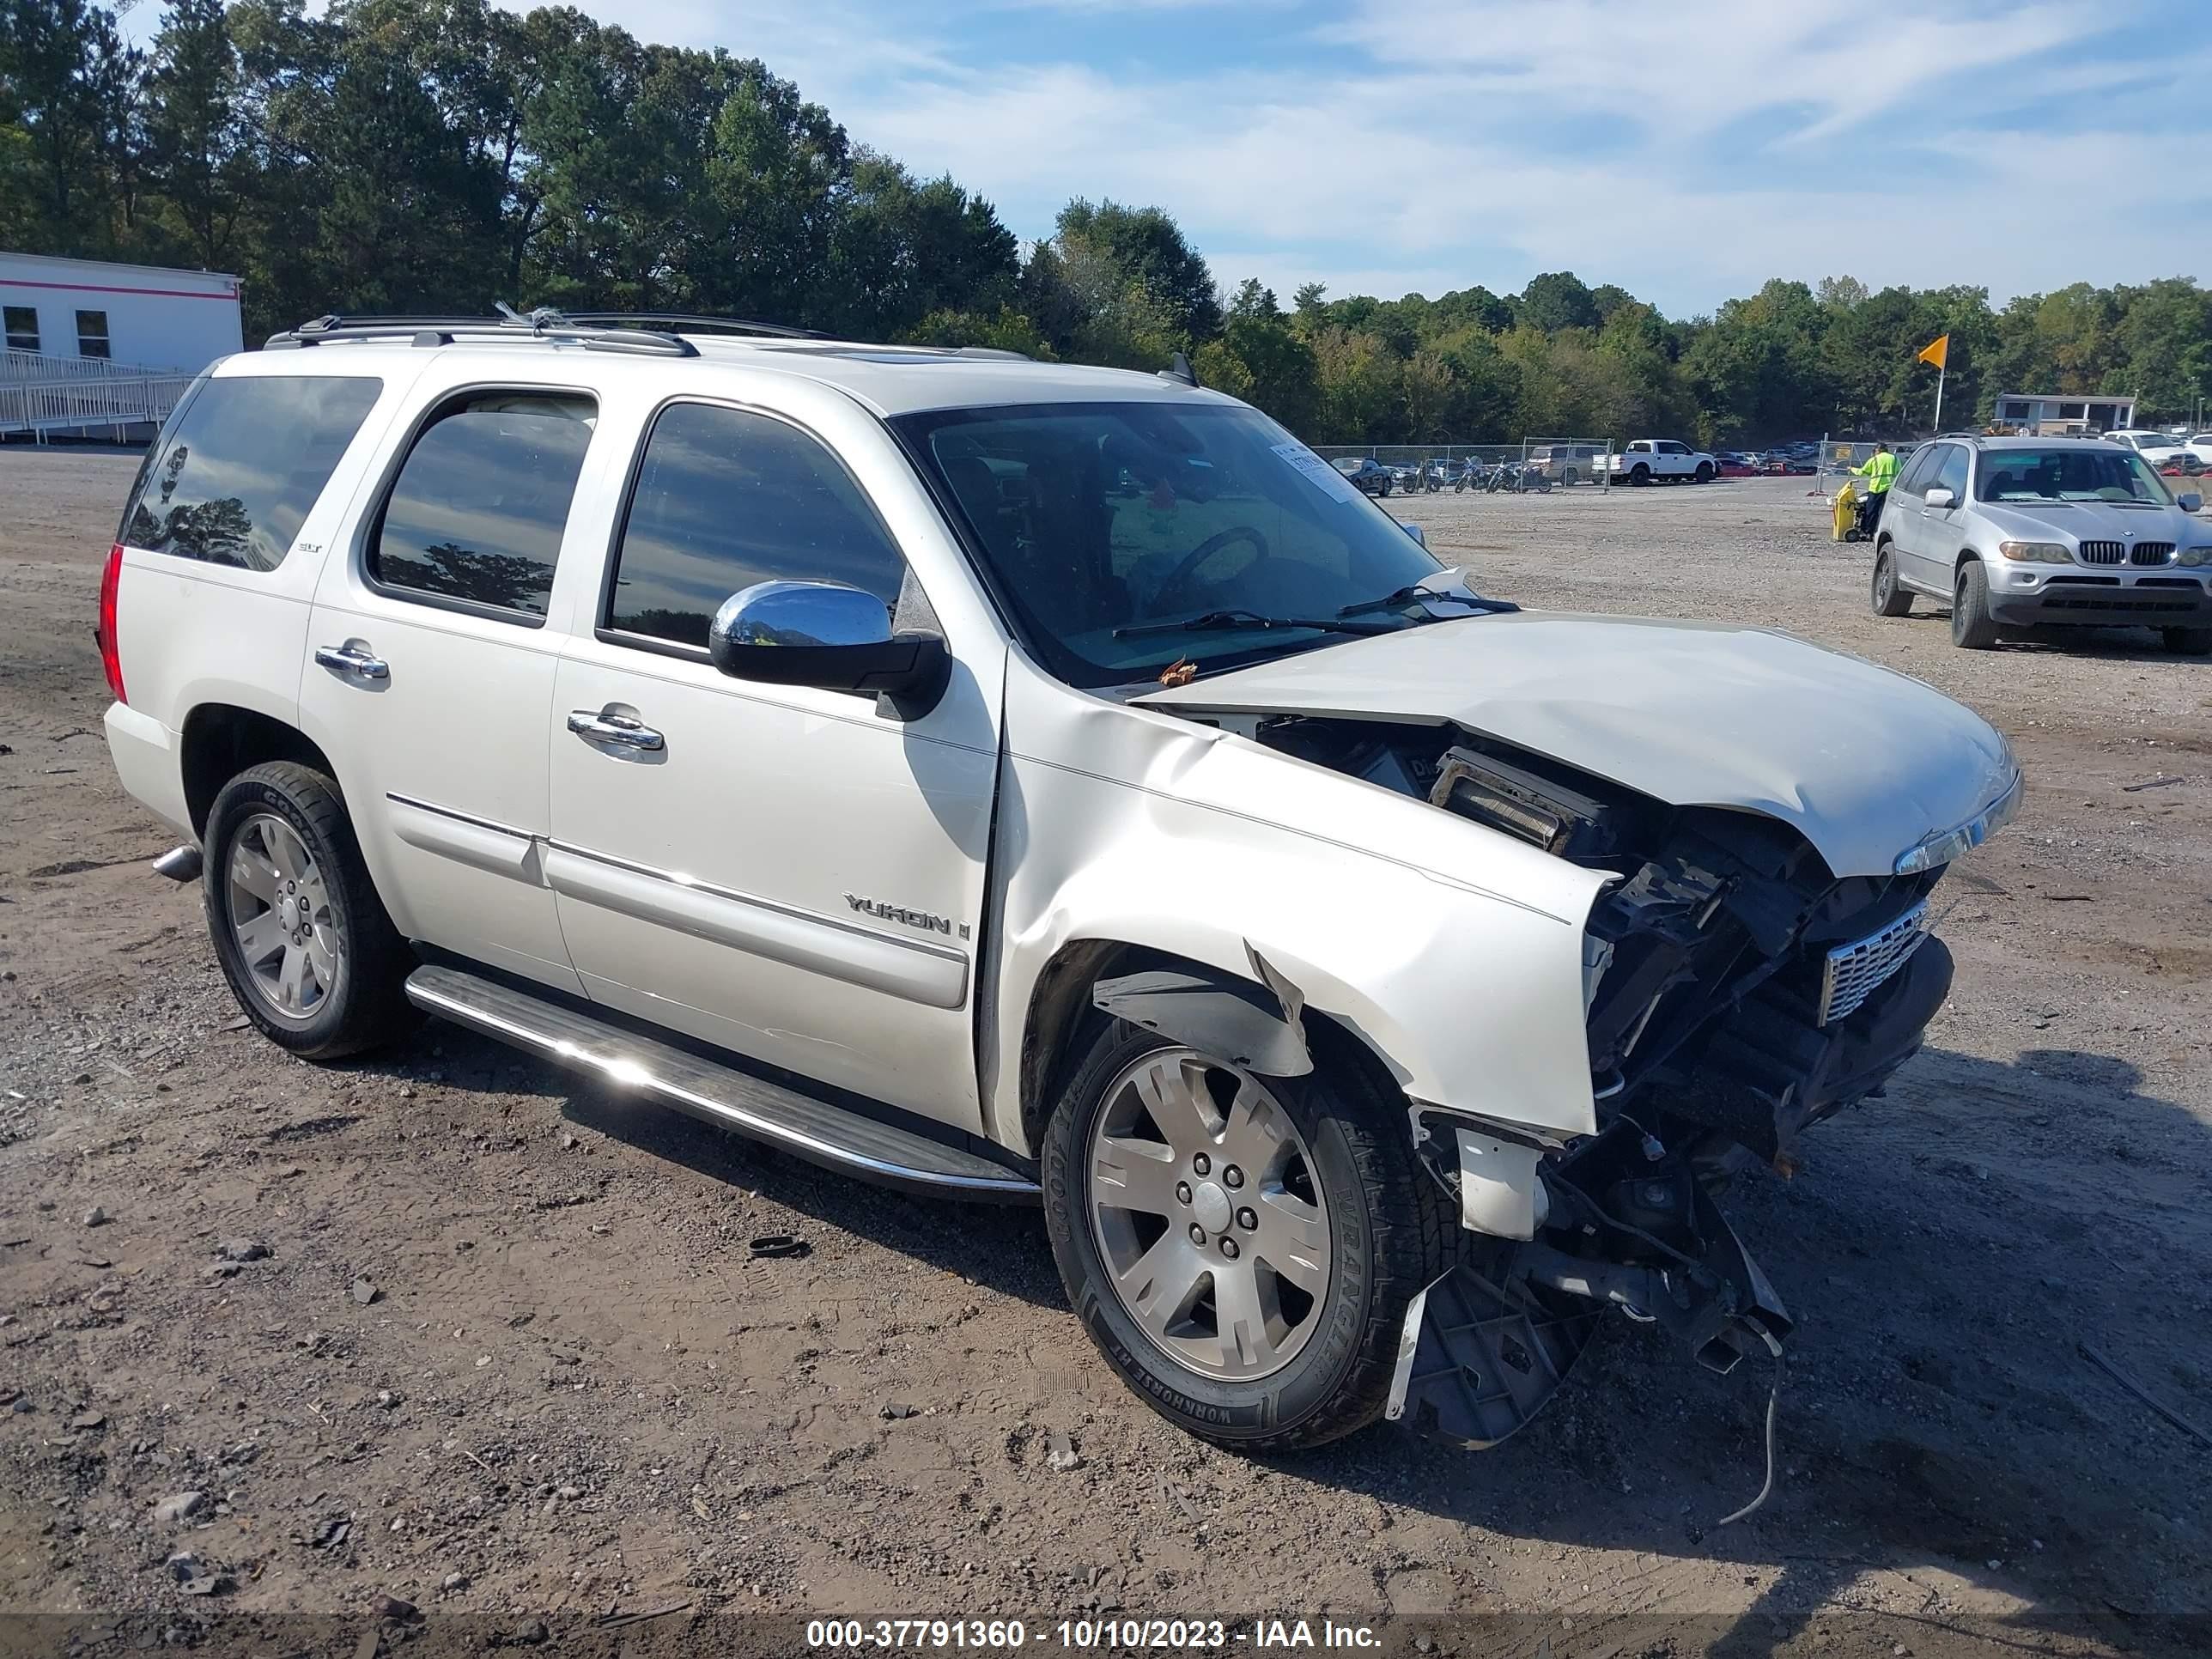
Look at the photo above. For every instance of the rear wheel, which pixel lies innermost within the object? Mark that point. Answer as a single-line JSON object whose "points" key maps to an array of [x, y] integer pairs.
{"points": [[1639, 474], [1973, 628], [2187, 642], [1242, 1250], [1891, 597], [310, 954]]}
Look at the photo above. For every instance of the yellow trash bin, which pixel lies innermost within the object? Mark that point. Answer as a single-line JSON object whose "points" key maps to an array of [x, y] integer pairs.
{"points": [[1846, 504]]}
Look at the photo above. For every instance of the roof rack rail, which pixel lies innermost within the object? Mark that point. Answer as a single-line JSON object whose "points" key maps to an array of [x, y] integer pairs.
{"points": [[690, 319], [542, 323]]}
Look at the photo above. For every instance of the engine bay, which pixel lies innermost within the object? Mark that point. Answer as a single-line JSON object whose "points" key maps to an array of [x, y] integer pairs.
{"points": [[1735, 993]]}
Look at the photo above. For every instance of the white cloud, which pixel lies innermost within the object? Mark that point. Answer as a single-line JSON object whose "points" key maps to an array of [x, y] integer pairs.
{"points": [[1686, 152]]}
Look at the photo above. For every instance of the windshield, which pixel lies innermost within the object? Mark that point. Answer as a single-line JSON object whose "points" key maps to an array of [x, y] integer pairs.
{"points": [[1232, 515], [2105, 473]]}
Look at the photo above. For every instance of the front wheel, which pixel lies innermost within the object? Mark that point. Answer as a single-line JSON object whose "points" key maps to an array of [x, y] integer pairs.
{"points": [[301, 936], [1973, 628], [1891, 597], [2187, 642], [1242, 1250], [1705, 472]]}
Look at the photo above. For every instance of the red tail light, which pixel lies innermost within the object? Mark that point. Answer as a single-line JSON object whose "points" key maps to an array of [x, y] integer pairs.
{"points": [[111, 659]]}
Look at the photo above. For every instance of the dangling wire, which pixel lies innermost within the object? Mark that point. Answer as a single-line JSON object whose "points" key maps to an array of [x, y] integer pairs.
{"points": [[1773, 1398]]}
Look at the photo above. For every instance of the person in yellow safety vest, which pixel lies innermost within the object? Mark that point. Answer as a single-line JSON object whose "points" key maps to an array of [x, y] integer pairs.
{"points": [[1879, 473]]}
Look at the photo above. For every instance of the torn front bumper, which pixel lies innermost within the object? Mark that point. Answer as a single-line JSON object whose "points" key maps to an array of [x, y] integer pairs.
{"points": [[1484, 1347]]}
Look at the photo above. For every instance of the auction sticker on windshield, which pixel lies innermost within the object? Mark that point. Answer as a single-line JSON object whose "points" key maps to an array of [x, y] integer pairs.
{"points": [[1318, 473]]}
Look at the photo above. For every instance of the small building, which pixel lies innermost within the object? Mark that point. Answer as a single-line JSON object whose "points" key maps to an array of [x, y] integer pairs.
{"points": [[147, 316], [2058, 413]]}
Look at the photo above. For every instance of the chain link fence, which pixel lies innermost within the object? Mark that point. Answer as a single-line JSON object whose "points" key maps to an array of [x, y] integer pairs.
{"points": [[1838, 458]]}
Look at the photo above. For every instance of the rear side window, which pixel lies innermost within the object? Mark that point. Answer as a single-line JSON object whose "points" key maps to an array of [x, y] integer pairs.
{"points": [[475, 518], [725, 498], [1950, 472], [1918, 472], [240, 467]]}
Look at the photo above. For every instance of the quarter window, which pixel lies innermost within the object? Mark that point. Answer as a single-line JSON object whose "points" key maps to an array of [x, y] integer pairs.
{"points": [[725, 498], [476, 516], [241, 464], [22, 322], [92, 334]]}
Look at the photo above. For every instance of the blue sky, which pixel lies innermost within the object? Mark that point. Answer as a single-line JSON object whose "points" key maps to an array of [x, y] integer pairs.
{"points": [[1685, 151]]}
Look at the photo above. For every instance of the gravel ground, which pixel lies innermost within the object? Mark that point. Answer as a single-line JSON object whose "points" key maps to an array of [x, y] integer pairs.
{"points": [[506, 1370]]}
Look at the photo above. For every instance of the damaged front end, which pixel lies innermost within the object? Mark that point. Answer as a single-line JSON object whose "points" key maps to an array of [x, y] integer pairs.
{"points": [[1736, 992]]}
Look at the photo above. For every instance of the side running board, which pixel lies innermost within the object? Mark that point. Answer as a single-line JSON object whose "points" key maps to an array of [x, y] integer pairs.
{"points": [[833, 1136]]}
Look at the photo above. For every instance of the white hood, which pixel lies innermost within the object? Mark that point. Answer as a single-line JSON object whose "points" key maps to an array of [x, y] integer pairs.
{"points": [[1865, 762]]}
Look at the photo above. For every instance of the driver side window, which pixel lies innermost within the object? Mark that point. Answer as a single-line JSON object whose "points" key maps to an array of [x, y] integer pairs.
{"points": [[724, 498]]}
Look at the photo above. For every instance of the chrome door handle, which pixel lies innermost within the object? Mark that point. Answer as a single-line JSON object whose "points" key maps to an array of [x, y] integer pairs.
{"points": [[597, 725], [350, 658]]}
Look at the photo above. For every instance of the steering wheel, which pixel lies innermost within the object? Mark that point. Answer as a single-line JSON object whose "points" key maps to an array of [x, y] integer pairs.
{"points": [[1205, 551]]}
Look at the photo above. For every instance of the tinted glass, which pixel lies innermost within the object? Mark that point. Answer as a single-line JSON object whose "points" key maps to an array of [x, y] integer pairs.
{"points": [[92, 334], [477, 512], [1917, 470], [241, 464], [724, 499], [1951, 472], [22, 326], [1231, 513], [2092, 472]]}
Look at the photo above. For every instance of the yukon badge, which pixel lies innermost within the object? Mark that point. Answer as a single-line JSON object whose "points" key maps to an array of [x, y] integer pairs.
{"points": [[922, 918]]}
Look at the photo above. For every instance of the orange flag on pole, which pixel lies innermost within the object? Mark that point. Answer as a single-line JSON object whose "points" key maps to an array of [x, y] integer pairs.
{"points": [[1936, 351]]}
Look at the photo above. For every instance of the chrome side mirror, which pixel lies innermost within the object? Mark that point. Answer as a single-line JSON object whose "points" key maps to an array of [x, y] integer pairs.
{"points": [[2192, 502], [1937, 500], [830, 635]]}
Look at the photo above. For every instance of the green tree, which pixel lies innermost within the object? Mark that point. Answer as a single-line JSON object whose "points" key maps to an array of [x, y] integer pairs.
{"points": [[197, 151], [1558, 300], [1147, 245]]}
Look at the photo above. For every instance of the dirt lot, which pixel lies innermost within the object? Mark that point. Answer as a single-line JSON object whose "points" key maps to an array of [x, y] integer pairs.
{"points": [[569, 1393]]}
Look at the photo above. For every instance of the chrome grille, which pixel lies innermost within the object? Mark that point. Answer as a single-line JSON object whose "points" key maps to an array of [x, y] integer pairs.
{"points": [[1854, 970], [2102, 552], [2150, 552]]}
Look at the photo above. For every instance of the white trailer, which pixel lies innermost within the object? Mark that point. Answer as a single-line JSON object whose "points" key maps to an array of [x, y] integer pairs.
{"points": [[93, 348], [152, 318]]}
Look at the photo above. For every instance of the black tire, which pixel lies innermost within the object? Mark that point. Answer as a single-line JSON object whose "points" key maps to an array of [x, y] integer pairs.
{"points": [[1890, 597], [2187, 642], [1973, 628], [368, 1005], [1705, 472], [1570, 476], [1639, 474], [1386, 486], [1391, 1233]]}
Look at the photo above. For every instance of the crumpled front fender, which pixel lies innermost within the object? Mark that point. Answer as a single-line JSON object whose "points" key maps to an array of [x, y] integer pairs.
{"points": [[1455, 952]]}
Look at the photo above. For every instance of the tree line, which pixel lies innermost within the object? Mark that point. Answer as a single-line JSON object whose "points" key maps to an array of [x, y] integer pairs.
{"points": [[433, 156]]}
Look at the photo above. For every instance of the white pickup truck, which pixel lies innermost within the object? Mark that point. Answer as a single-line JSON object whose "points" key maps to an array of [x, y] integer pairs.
{"points": [[1651, 460], [1373, 980]]}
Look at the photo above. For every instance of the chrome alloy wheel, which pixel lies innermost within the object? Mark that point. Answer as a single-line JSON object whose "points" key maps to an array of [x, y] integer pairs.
{"points": [[280, 910], [1205, 1207]]}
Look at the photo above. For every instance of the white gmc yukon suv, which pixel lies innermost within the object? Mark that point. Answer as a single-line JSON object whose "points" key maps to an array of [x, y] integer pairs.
{"points": [[1372, 980]]}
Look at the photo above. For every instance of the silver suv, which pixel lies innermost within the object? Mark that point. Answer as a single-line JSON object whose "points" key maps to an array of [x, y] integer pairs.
{"points": [[2074, 532]]}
